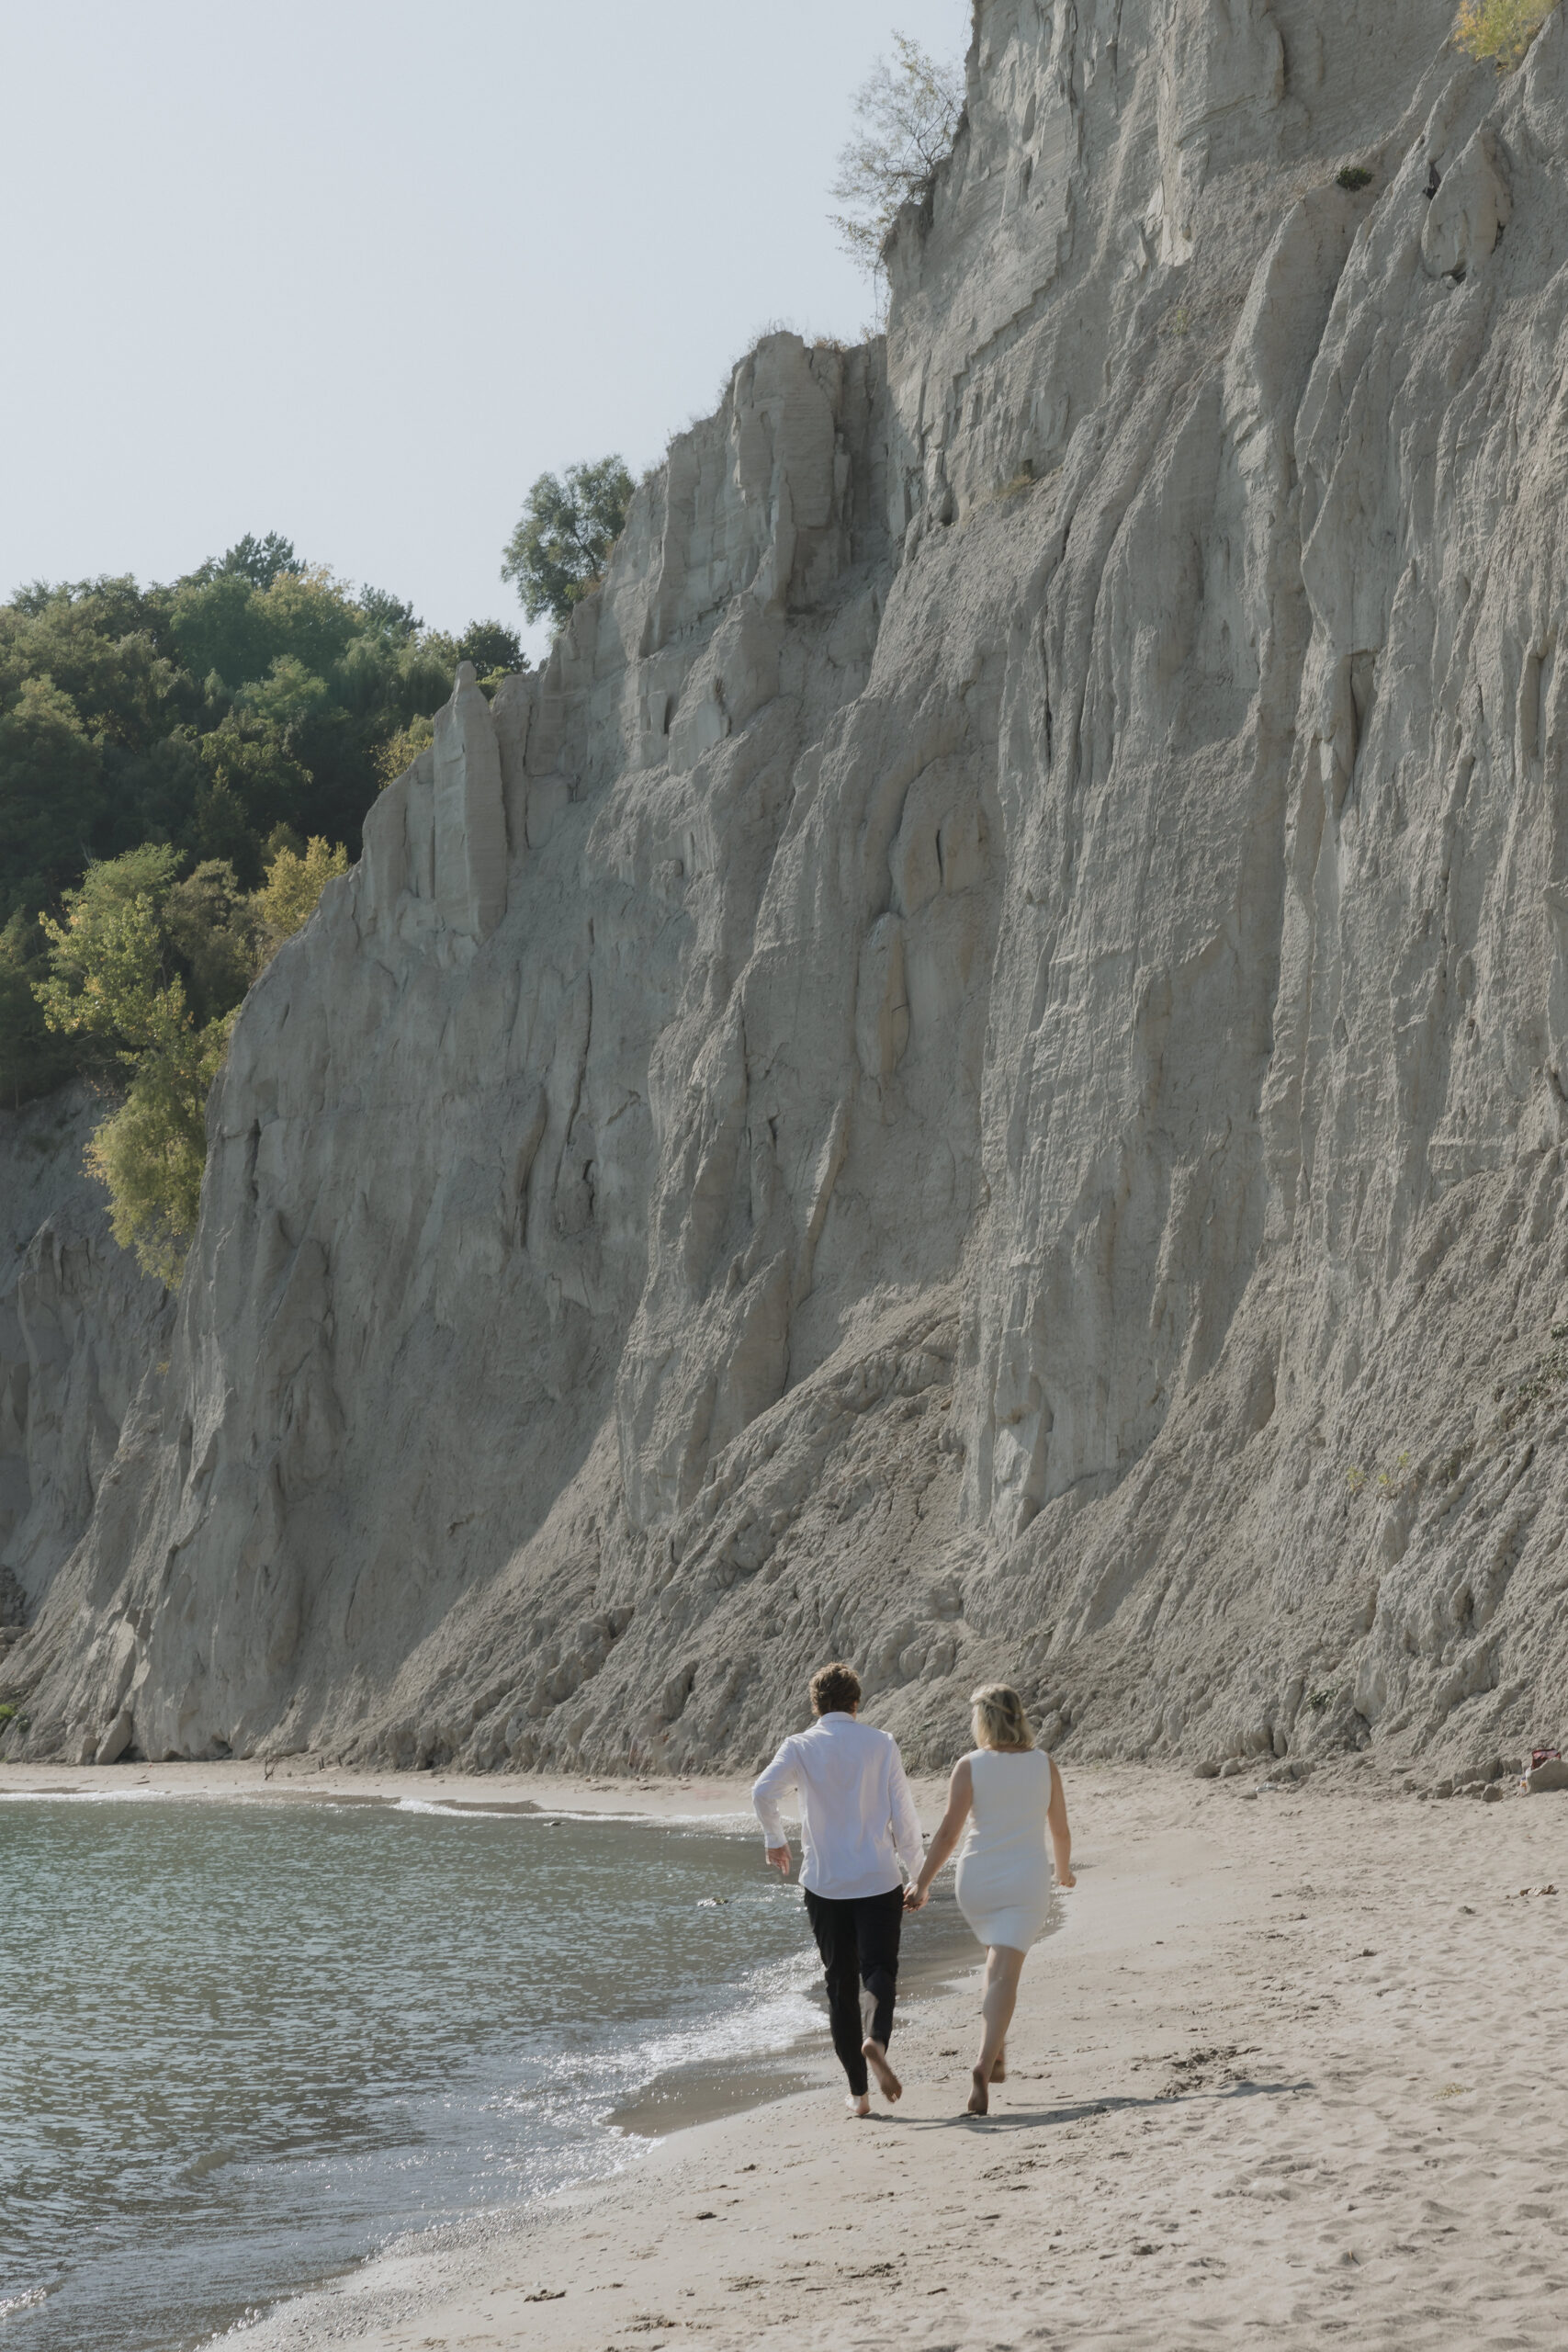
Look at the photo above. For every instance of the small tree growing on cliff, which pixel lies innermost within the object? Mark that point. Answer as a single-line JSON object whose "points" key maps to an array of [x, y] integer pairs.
{"points": [[562, 543], [908, 110], [147, 972]]}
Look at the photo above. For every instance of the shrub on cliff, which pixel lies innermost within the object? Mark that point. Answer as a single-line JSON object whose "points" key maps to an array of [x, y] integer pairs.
{"points": [[150, 1154], [1501, 29], [294, 883], [145, 970], [563, 539], [908, 110], [113, 984]]}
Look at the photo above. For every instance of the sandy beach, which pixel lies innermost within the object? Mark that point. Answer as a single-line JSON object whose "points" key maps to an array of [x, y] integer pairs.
{"points": [[1294, 2060]]}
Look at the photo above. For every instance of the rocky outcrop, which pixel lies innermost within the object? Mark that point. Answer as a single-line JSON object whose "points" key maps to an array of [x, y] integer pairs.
{"points": [[80, 1328], [972, 1075]]}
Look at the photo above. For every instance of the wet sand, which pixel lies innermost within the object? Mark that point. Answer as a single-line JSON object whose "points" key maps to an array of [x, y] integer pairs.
{"points": [[1294, 2063], [304, 1779]]}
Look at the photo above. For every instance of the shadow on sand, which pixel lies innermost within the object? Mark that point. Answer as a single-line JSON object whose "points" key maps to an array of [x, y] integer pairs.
{"points": [[1033, 2119]]}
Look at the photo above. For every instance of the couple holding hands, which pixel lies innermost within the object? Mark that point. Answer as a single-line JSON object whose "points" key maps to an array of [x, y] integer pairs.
{"points": [[858, 1824]]}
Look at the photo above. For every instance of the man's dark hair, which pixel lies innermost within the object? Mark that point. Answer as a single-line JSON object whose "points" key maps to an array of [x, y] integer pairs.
{"points": [[835, 1689]]}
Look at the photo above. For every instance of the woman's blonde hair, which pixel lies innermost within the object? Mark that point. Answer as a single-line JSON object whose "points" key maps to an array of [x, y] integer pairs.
{"points": [[1000, 1719]]}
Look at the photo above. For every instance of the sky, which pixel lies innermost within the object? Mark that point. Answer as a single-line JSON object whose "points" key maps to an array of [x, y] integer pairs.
{"points": [[359, 273]]}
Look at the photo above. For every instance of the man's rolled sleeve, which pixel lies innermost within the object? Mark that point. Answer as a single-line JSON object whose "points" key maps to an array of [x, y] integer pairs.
{"points": [[906, 1837], [769, 1788]]}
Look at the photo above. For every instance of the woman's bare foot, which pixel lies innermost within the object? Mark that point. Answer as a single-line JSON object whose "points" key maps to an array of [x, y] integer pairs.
{"points": [[860, 2106], [877, 2059], [1000, 2065], [979, 2098]]}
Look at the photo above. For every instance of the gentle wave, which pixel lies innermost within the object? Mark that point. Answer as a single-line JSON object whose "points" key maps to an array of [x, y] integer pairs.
{"points": [[14, 2307], [331, 2025], [80, 1796]]}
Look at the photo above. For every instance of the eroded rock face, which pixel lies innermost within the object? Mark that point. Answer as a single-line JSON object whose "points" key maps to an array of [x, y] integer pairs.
{"points": [[972, 1075], [80, 1330]]}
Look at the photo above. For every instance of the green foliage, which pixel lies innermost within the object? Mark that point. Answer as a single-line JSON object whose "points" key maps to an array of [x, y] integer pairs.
{"points": [[51, 789], [1394, 1482], [909, 111], [294, 883], [1500, 29], [387, 617], [150, 1152], [113, 982], [145, 969], [491, 648], [219, 935], [401, 749], [561, 544], [257, 692], [31, 1060], [1352, 176], [257, 560], [108, 971]]}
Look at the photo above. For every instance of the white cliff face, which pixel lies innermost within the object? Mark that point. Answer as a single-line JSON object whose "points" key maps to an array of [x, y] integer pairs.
{"points": [[80, 1328], [972, 1075]]}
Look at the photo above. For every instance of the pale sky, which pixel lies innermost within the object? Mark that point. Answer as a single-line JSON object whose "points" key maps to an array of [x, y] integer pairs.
{"points": [[358, 273]]}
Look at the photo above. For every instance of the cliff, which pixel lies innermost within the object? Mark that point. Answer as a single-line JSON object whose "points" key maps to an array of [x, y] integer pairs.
{"points": [[79, 1329], [973, 1075]]}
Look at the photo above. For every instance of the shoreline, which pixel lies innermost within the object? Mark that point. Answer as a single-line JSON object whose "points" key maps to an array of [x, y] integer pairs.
{"points": [[301, 1779], [1276, 2069], [1295, 2061]]}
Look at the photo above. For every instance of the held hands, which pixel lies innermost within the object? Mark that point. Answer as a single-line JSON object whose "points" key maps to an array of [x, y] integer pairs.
{"points": [[916, 1896], [778, 1860]]}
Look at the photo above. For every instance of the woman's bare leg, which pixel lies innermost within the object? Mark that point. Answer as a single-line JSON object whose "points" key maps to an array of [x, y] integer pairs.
{"points": [[1003, 1967]]}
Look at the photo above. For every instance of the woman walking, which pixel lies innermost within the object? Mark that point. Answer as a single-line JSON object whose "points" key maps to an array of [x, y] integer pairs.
{"points": [[1010, 1793]]}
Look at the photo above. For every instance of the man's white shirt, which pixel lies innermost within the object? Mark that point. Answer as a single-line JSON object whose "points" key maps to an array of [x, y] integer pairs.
{"points": [[858, 1819]]}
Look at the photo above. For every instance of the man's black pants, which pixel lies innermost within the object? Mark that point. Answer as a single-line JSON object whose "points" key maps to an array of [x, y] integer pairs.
{"points": [[859, 1944]]}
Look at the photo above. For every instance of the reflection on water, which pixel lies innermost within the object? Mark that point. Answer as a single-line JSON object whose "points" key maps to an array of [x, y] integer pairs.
{"points": [[244, 2044]]}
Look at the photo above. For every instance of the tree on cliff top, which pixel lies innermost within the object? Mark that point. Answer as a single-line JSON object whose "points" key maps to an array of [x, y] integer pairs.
{"points": [[562, 543], [908, 110]]}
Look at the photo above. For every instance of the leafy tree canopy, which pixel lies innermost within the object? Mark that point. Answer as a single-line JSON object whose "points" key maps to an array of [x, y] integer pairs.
{"points": [[143, 970], [117, 979], [180, 767], [491, 648], [294, 881], [258, 691], [562, 542], [908, 110]]}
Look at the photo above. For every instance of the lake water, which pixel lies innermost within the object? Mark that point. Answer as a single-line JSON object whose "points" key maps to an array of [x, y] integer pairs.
{"points": [[242, 2045]]}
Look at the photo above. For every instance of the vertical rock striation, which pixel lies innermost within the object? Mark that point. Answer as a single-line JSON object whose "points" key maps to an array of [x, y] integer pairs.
{"points": [[974, 1072], [80, 1330]]}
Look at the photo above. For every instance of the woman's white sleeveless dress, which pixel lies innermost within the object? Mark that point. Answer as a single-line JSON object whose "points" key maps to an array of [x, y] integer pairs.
{"points": [[1004, 1874]]}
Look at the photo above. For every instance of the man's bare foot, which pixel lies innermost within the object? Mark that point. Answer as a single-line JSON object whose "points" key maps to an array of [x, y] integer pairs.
{"points": [[877, 2059], [861, 2106], [1000, 2065], [979, 2098]]}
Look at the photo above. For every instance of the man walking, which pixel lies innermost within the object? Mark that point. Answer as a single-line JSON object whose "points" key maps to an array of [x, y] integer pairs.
{"points": [[858, 1823]]}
